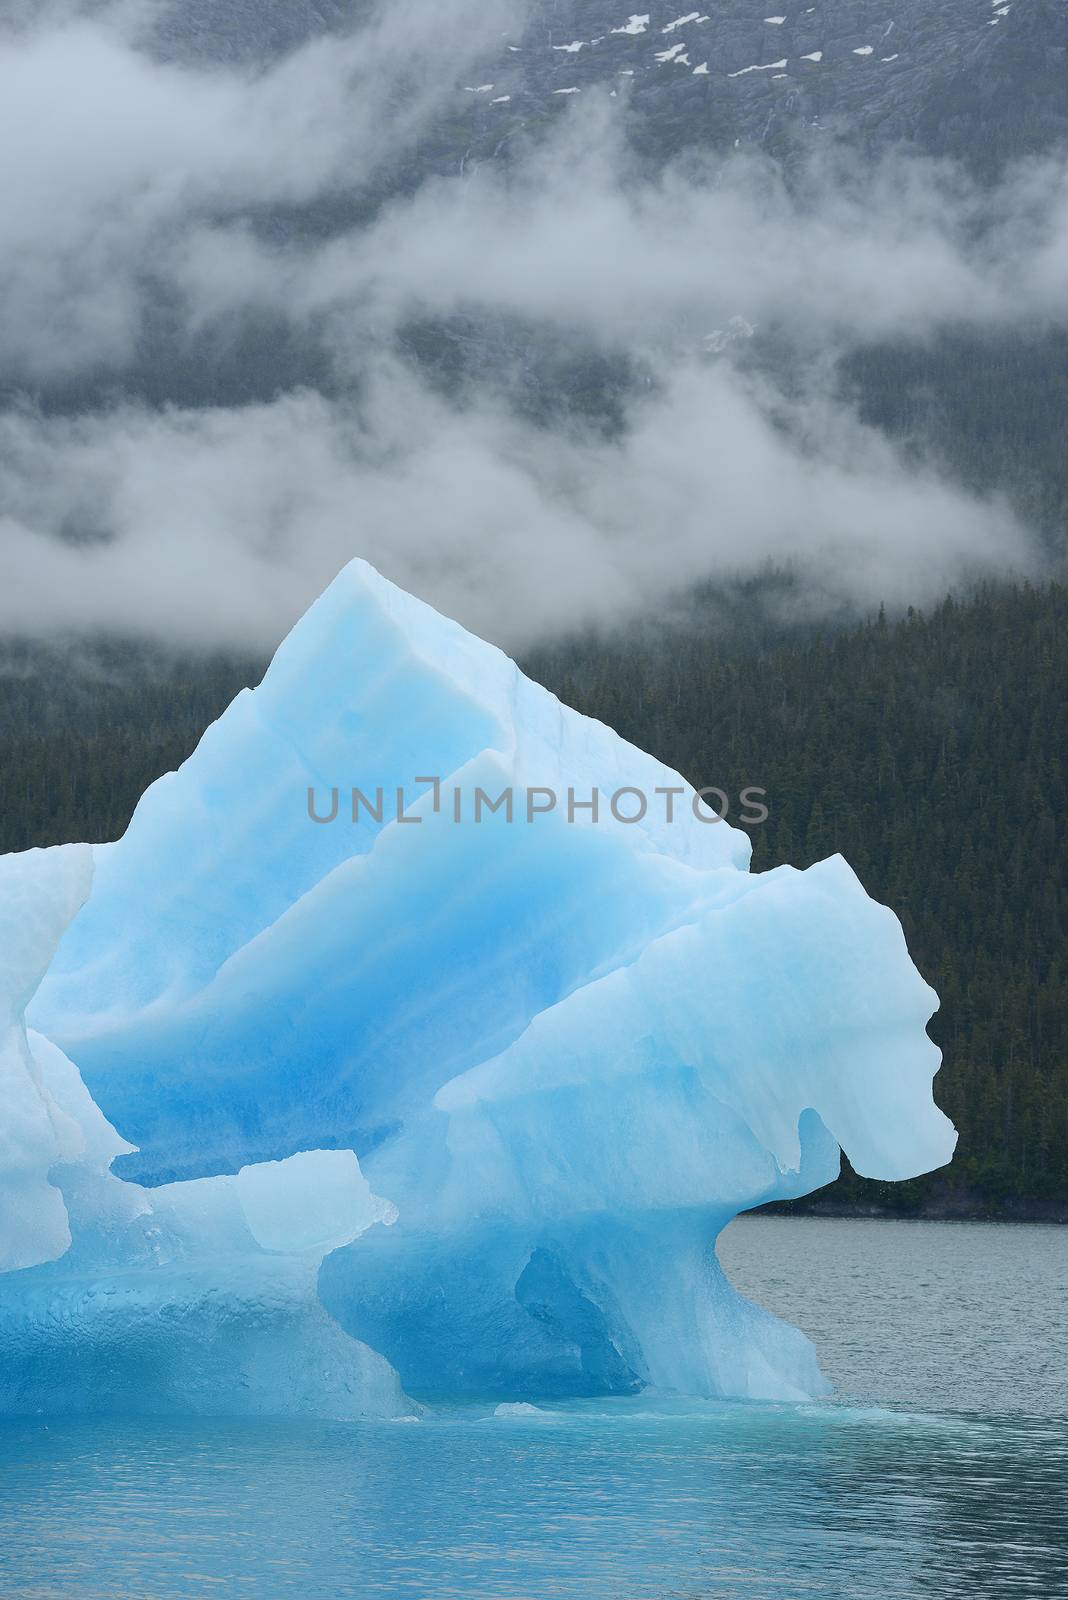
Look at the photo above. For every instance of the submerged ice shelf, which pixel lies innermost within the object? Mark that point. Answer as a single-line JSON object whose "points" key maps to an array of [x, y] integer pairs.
{"points": [[315, 1099]]}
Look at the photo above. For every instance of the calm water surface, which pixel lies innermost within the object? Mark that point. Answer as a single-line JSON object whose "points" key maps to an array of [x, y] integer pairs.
{"points": [[941, 1470]]}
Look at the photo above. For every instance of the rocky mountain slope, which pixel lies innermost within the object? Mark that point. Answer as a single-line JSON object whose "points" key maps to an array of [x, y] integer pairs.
{"points": [[982, 80]]}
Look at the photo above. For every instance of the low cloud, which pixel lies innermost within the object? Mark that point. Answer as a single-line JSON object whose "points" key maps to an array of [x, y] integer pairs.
{"points": [[142, 184], [110, 160], [224, 524], [578, 232]]}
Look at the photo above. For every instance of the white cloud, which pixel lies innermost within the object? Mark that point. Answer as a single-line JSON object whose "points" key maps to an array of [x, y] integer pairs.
{"points": [[110, 158], [226, 523], [131, 179]]}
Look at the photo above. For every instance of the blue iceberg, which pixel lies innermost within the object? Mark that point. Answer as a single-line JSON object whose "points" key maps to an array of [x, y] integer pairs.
{"points": [[419, 1037]]}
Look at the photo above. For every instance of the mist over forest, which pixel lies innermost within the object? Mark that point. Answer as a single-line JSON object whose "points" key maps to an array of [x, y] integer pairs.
{"points": [[288, 284]]}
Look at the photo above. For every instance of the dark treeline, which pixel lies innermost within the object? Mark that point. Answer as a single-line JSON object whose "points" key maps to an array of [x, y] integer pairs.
{"points": [[929, 750], [84, 730]]}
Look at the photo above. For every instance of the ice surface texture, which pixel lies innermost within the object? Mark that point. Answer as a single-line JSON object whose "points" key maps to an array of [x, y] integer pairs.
{"points": [[565, 1050], [192, 1298]]}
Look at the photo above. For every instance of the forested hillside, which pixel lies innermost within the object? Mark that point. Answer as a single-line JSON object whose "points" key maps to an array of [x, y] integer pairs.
{"points": [[930, 751]]}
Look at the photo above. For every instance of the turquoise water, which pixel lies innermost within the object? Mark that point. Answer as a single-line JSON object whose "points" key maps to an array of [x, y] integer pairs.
{"points": [[940, 1471]]}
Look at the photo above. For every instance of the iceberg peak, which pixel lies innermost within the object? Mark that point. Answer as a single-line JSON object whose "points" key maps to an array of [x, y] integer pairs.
{"points": [[459, 1024]]}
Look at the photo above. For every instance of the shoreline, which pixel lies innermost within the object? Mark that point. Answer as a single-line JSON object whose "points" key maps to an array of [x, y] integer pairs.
{"points": [[1052, 1211]]}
